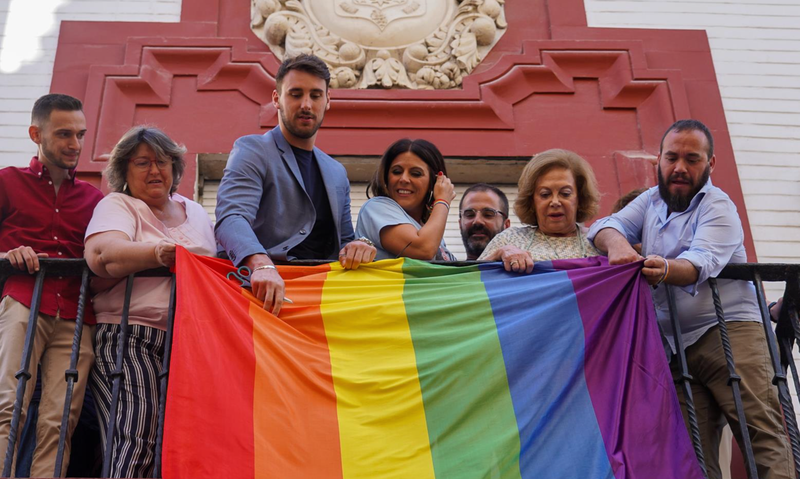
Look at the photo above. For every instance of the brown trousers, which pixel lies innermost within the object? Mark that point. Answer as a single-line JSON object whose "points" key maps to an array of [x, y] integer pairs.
{"points": [[52, 349], [713, 398]]}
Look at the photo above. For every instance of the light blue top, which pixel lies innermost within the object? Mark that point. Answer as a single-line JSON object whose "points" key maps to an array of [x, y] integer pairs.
{"points": [[382, 211], [709, 235]]}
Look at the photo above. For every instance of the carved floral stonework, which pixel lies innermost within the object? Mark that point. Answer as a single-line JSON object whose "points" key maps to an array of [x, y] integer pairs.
{"points": [[415, 44]]}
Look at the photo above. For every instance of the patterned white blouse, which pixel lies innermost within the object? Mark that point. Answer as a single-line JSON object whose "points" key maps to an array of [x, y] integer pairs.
{"points": [[540, 246]]}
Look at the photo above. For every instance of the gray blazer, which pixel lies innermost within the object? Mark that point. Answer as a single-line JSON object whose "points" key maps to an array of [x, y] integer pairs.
{"points": [[262, 204]]}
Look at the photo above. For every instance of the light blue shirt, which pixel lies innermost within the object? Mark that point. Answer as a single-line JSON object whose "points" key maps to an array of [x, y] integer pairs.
{"points": [[709, 235], [382, 211]]}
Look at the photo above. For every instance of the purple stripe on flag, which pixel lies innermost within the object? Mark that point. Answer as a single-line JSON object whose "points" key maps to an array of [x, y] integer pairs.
{"points": [[627, 373]]}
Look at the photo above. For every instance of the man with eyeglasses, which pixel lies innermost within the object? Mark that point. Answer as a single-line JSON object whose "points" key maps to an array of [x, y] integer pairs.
{"points": [[482, 213]]}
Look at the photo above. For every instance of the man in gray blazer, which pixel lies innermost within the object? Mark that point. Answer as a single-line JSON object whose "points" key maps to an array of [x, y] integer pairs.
{"points": [[281, 197]]}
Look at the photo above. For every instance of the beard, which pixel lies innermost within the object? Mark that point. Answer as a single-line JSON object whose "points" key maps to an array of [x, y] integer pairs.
{"points": [[55, 158], [678, 202], [303, 133], [473, 246]]}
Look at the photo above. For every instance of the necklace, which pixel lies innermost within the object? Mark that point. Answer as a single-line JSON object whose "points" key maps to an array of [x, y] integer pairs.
{"points": [[547, 240]]}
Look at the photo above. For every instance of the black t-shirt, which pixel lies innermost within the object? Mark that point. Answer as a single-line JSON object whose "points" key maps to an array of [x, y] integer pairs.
{"points": [[321, 240]]}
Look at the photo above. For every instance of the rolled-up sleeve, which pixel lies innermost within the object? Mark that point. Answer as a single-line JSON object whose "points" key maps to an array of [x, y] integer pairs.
{"points": [[377, 214], [717, 236], [629, 221], [238, 200]]}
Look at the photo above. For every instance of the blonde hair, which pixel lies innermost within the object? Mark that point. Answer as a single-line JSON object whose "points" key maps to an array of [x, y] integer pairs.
{"points": [[588, 192]]}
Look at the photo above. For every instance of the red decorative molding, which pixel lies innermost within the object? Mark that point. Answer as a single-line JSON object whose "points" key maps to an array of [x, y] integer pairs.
{"points": [[551, 81]]}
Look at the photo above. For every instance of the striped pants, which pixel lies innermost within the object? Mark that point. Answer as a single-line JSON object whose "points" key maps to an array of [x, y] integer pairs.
{"points": [[133, 448]]}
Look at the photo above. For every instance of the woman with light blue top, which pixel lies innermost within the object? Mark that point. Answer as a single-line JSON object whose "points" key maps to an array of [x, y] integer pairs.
{"points": [[411, 198]]}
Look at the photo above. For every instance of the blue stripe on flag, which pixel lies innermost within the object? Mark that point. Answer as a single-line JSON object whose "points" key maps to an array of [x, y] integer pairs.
{"points": [[542, 338]]}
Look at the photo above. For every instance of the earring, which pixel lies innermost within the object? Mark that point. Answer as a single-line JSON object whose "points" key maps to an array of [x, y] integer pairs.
{"points": [[125, 187]]}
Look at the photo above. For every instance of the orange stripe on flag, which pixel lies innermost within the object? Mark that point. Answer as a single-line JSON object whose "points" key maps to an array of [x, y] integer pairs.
{"points": [[295, 421]]}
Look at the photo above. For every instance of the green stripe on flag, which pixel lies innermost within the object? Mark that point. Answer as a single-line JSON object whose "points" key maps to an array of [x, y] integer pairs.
{"points": [[468, 408]]}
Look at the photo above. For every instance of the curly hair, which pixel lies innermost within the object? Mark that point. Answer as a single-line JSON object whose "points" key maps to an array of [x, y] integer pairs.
{"points": [[588, 192], [116, 171]]}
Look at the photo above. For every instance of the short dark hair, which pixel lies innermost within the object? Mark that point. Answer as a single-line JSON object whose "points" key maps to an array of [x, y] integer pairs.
{"points": [[164, 147], [426, 151], [627, 198], [487, 187], [303, 62], [689, 125], [53, 101]]}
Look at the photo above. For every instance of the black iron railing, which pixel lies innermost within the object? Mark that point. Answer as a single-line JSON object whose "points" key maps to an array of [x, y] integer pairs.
{"points": [[780, 343]]}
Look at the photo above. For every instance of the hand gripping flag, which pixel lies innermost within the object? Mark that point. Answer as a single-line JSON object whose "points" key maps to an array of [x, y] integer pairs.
{"points": [[403, 369]]}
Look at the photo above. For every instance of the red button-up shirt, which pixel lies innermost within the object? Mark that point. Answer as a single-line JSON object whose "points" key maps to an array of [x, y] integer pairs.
{"points": [[32, 215]]}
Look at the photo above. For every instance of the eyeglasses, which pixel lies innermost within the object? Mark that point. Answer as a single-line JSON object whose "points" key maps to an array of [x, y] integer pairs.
{"points": [[488, 213], [144, 164]]}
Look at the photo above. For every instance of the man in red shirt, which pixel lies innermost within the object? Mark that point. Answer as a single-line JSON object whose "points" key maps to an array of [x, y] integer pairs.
{"points": [[44, 211]]}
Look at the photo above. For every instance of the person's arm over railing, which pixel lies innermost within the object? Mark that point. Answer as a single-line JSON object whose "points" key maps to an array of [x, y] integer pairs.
{"points": [[238, 200], [112, 254], [656, 269]]}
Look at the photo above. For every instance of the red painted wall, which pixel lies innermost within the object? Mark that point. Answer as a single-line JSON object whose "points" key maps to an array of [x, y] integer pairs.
{"points": [[551, 81]]}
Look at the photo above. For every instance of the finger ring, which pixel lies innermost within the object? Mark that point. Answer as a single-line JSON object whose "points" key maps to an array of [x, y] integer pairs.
{"points": [[514, 262]]}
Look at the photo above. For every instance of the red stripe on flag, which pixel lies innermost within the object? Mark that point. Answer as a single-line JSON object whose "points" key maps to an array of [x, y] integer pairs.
{"points": [[210, 395]]}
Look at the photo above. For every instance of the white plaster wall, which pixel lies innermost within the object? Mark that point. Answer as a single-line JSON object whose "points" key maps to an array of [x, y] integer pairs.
{"points": [[755, 45], [28, 39]]}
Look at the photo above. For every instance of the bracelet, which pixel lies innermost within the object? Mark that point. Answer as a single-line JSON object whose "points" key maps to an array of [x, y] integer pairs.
{"points": [[443, 202], [769, 308], [666, 272], [364, 239], [265, 266], [769, 311]]}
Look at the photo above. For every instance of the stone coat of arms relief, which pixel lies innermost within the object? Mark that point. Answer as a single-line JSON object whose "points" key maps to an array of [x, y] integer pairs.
{"points": [[415, 44]]}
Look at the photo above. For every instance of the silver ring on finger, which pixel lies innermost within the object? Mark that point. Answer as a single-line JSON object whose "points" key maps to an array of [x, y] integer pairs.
{"points": [[514, 262]]}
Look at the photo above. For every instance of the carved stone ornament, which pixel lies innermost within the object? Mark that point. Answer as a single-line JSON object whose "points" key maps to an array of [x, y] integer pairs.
{"points": [[415, 44]]}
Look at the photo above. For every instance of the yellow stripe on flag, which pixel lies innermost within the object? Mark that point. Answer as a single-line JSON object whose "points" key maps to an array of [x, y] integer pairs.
{"points": [[382, 424]]}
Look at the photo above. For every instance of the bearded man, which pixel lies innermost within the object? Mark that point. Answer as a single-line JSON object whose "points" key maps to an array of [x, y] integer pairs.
{"points": [[281, 197], [689, 230], [482, 213]]}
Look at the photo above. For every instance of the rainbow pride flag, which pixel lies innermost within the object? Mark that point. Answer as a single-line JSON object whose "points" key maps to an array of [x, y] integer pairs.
{"points": [[402, 369]]}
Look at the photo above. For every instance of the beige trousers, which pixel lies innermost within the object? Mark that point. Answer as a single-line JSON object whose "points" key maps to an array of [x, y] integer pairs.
{"points": [[713, 398], [52, 349]]}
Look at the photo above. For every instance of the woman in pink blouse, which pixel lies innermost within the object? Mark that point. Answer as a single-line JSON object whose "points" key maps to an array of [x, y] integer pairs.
{"points": [[135, 228]]}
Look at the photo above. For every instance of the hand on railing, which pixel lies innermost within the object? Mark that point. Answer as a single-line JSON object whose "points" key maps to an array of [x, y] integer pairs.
{"points": [[24, 257]]}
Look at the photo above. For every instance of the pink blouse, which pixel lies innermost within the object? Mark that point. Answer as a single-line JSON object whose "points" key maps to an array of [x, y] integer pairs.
{"points": [[150, 296]]}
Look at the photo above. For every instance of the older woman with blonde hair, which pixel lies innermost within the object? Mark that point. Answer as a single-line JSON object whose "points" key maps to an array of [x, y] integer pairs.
{"points": [[557, 192], [135, 228]]}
